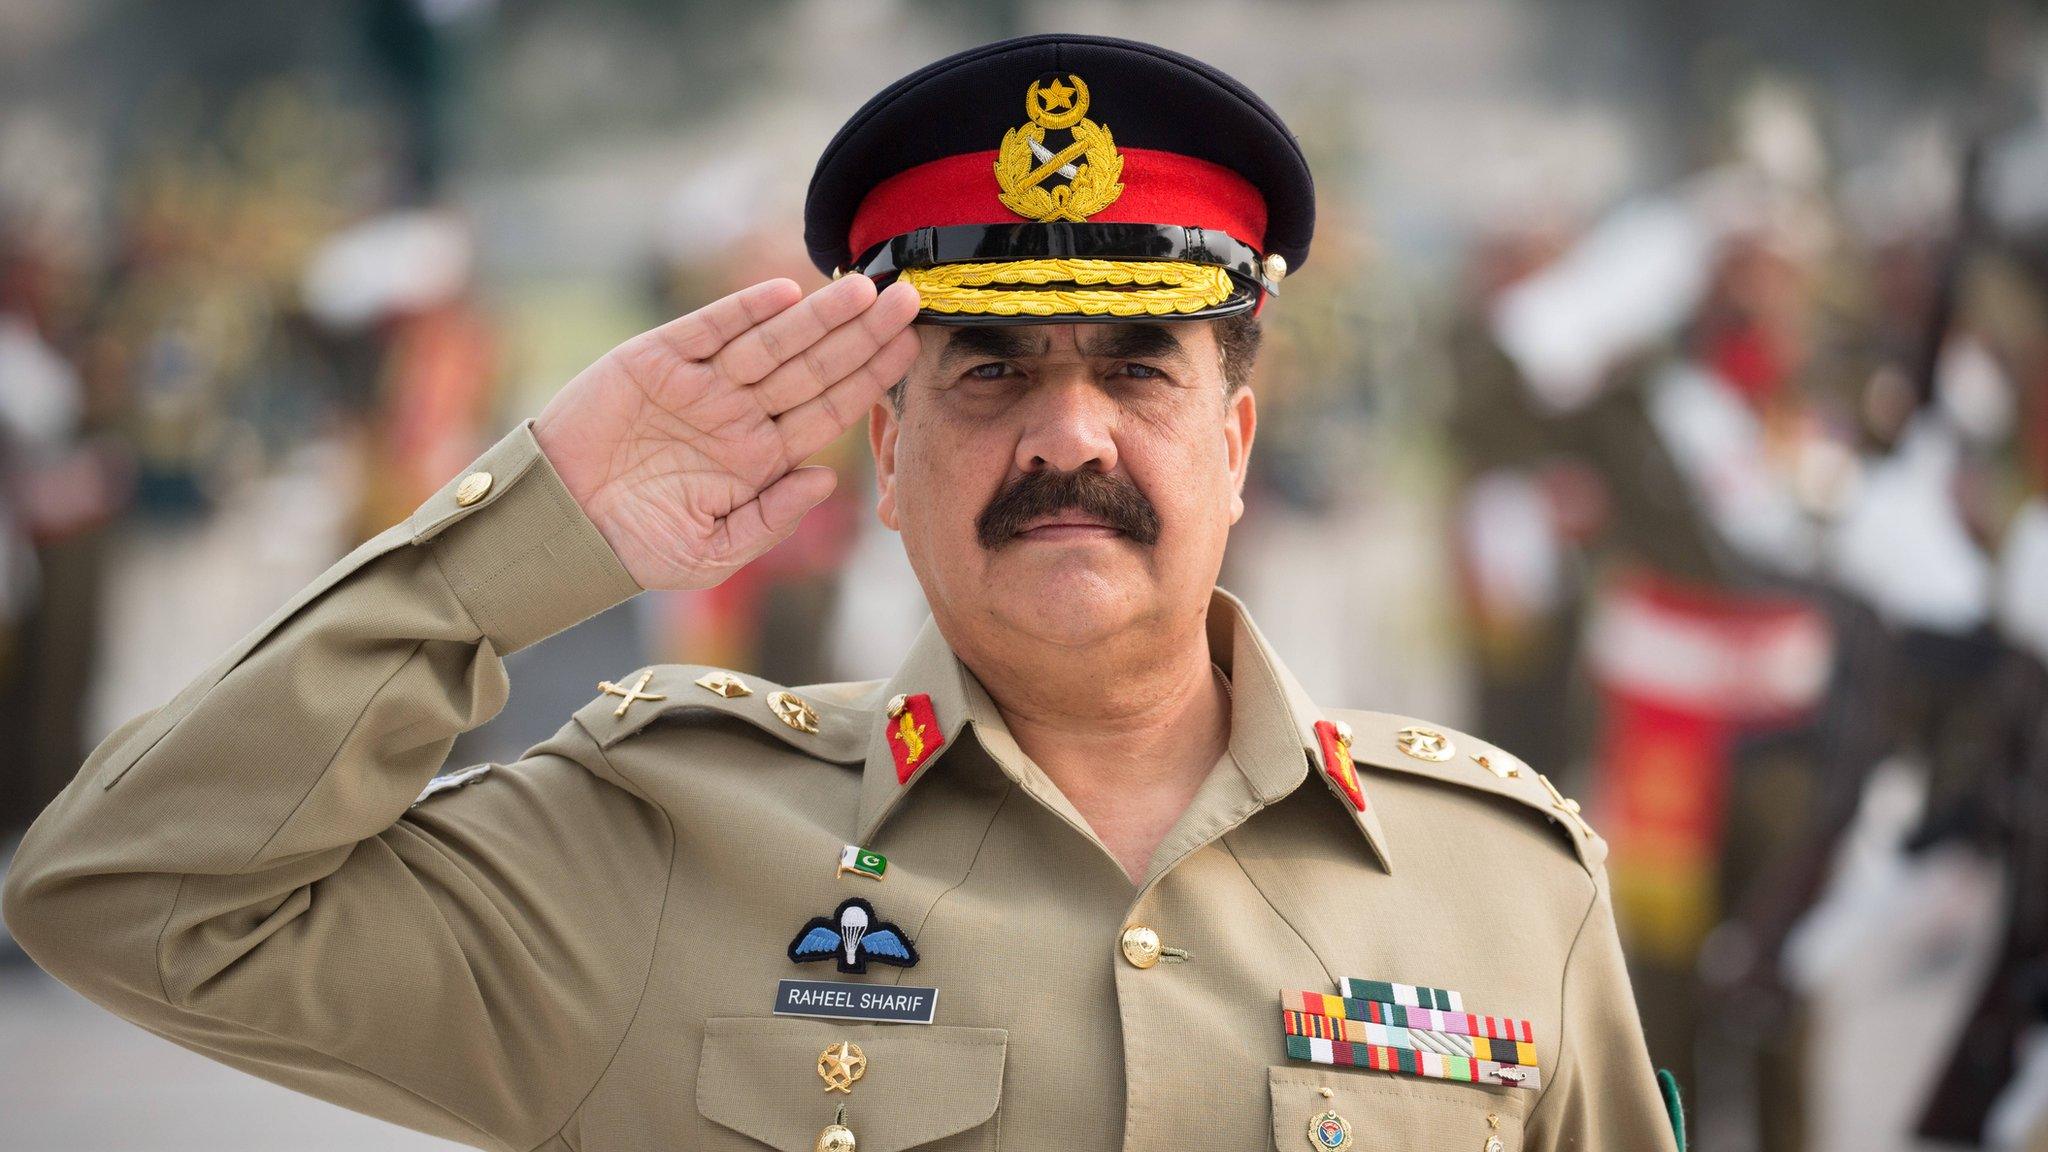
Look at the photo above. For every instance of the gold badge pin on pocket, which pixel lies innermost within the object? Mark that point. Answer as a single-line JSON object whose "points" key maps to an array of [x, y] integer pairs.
{"points": [[841, 1066], [1329, 1132]]}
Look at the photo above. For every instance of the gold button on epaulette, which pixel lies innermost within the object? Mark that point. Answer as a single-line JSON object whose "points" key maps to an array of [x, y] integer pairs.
{"points": [[473, 488]]}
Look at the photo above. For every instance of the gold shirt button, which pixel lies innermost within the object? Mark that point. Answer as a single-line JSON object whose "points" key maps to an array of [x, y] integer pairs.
{"points": [[1141, 946], [472, 489]]}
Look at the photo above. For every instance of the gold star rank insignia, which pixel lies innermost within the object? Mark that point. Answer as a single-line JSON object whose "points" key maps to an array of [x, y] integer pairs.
{"points": [[841, 1066]]}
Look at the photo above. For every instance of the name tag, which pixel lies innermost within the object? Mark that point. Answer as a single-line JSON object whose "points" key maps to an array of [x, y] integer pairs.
{"points": [[837, 1000]]}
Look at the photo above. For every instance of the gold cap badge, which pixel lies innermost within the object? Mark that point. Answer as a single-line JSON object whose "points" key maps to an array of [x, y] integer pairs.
{"points": [[1090, 163], [1040, 179]]}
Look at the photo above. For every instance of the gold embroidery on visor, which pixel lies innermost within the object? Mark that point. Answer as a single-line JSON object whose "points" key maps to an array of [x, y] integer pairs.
{"points": [[1020, 287]]}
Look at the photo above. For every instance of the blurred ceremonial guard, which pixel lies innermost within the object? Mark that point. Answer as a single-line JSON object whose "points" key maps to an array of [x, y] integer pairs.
{"points": [[1769, 466]]}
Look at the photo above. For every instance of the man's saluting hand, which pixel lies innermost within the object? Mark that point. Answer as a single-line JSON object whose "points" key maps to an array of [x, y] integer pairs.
{"points": [[684, 444]]}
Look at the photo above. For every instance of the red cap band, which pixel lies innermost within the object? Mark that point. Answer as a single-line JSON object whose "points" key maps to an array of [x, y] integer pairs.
{"points": [[1159, 188]]}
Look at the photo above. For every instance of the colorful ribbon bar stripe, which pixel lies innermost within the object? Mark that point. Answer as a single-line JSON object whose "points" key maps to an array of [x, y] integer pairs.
{"points": [[1406, 995], [1427, 1019], [1417, 1039], [1344, 1054]]}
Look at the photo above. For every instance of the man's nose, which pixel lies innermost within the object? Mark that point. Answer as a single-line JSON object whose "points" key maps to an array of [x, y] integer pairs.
{"points": [[1070, 423]]}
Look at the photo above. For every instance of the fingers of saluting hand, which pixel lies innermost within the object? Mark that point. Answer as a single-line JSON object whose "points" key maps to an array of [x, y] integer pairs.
{"points": [[761, 523], [699, 335], [839, 353], [818, 421], [752, 355]]}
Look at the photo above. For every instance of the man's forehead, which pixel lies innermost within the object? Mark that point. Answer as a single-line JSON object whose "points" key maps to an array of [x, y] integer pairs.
{"points": [[1020, 341]]}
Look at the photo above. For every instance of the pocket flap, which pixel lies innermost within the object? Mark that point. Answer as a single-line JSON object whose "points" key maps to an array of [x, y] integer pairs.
{"points": [[759, 1077]]}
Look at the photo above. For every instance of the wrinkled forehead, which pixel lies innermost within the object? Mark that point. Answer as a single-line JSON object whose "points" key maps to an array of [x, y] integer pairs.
{"points": [[960, 344]]}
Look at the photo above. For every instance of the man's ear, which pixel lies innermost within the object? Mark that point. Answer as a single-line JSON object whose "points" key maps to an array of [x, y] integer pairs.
{"points": [[1240, 421], [882, 429]]}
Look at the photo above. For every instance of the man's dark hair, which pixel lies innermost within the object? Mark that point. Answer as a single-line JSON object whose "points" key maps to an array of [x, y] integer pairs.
{"points": [[1237, 342], [1238, 339]]}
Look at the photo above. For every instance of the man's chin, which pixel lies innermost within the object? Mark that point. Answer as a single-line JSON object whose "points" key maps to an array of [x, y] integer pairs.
{"points": [[1073, 598]]}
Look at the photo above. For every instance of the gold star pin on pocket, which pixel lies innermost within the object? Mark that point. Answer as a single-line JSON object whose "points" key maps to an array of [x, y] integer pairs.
{"points": [[841, 1066]]}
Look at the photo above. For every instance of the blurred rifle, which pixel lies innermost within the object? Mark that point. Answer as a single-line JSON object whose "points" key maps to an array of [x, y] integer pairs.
{"points": [[2012, 789], [2015, 996]]}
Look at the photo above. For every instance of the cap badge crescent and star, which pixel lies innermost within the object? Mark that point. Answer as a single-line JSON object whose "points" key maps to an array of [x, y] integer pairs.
{"points": [[1194, 207]]}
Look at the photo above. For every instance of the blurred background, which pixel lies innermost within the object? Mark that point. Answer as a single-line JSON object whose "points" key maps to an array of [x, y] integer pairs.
{"points": [[1667, 400]]}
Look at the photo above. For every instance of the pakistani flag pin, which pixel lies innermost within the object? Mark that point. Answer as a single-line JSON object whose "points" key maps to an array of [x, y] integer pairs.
{"points": [[861, 862]]}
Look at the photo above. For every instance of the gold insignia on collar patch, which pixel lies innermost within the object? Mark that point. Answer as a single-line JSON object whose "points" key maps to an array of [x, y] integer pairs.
{"points": [[1090, 163]]}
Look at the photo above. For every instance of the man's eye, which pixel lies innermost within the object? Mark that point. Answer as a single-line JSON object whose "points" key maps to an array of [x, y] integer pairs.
{"points": [[1142, 371], [994, 371]]}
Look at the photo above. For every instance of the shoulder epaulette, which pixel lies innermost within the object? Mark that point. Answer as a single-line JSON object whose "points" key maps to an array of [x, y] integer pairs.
{"points": [[818, 722], [1404, 744]]}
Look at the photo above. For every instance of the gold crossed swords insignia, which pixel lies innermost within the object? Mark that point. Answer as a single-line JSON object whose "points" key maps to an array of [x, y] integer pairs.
{"points": [[633, 695], [1091, 186]]}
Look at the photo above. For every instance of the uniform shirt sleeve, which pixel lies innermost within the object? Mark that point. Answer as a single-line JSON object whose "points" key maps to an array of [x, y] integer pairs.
{"points": [[240, 872], [1603, 1094]]}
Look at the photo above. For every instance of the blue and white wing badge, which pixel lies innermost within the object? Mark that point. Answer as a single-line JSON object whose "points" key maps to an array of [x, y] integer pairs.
{"points": [[852, 937]]}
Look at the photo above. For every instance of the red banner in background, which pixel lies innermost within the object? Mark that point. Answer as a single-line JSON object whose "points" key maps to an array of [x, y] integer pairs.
{"points": [[1682, 671]]}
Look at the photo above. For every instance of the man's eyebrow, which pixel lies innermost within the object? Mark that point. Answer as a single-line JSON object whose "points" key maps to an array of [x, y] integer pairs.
{"points": [[1136, 342], [986, 342]]}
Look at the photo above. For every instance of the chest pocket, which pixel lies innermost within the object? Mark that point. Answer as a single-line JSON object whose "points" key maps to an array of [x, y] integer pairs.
{"points": [[1388, 1112], [920, 1085]]}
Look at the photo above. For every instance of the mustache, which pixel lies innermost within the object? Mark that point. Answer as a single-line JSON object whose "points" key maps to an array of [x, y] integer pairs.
{"points": [[1107, 497]]}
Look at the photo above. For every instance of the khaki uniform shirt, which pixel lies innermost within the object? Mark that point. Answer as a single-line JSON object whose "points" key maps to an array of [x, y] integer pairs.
{"points": [[582, 949]]}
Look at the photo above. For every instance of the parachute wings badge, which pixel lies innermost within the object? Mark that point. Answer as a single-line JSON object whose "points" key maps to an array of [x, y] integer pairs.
{"points": [[853, 936]]}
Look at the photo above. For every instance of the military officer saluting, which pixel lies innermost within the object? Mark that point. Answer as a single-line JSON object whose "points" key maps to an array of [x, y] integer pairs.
{"points": [[1090, 871]]}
